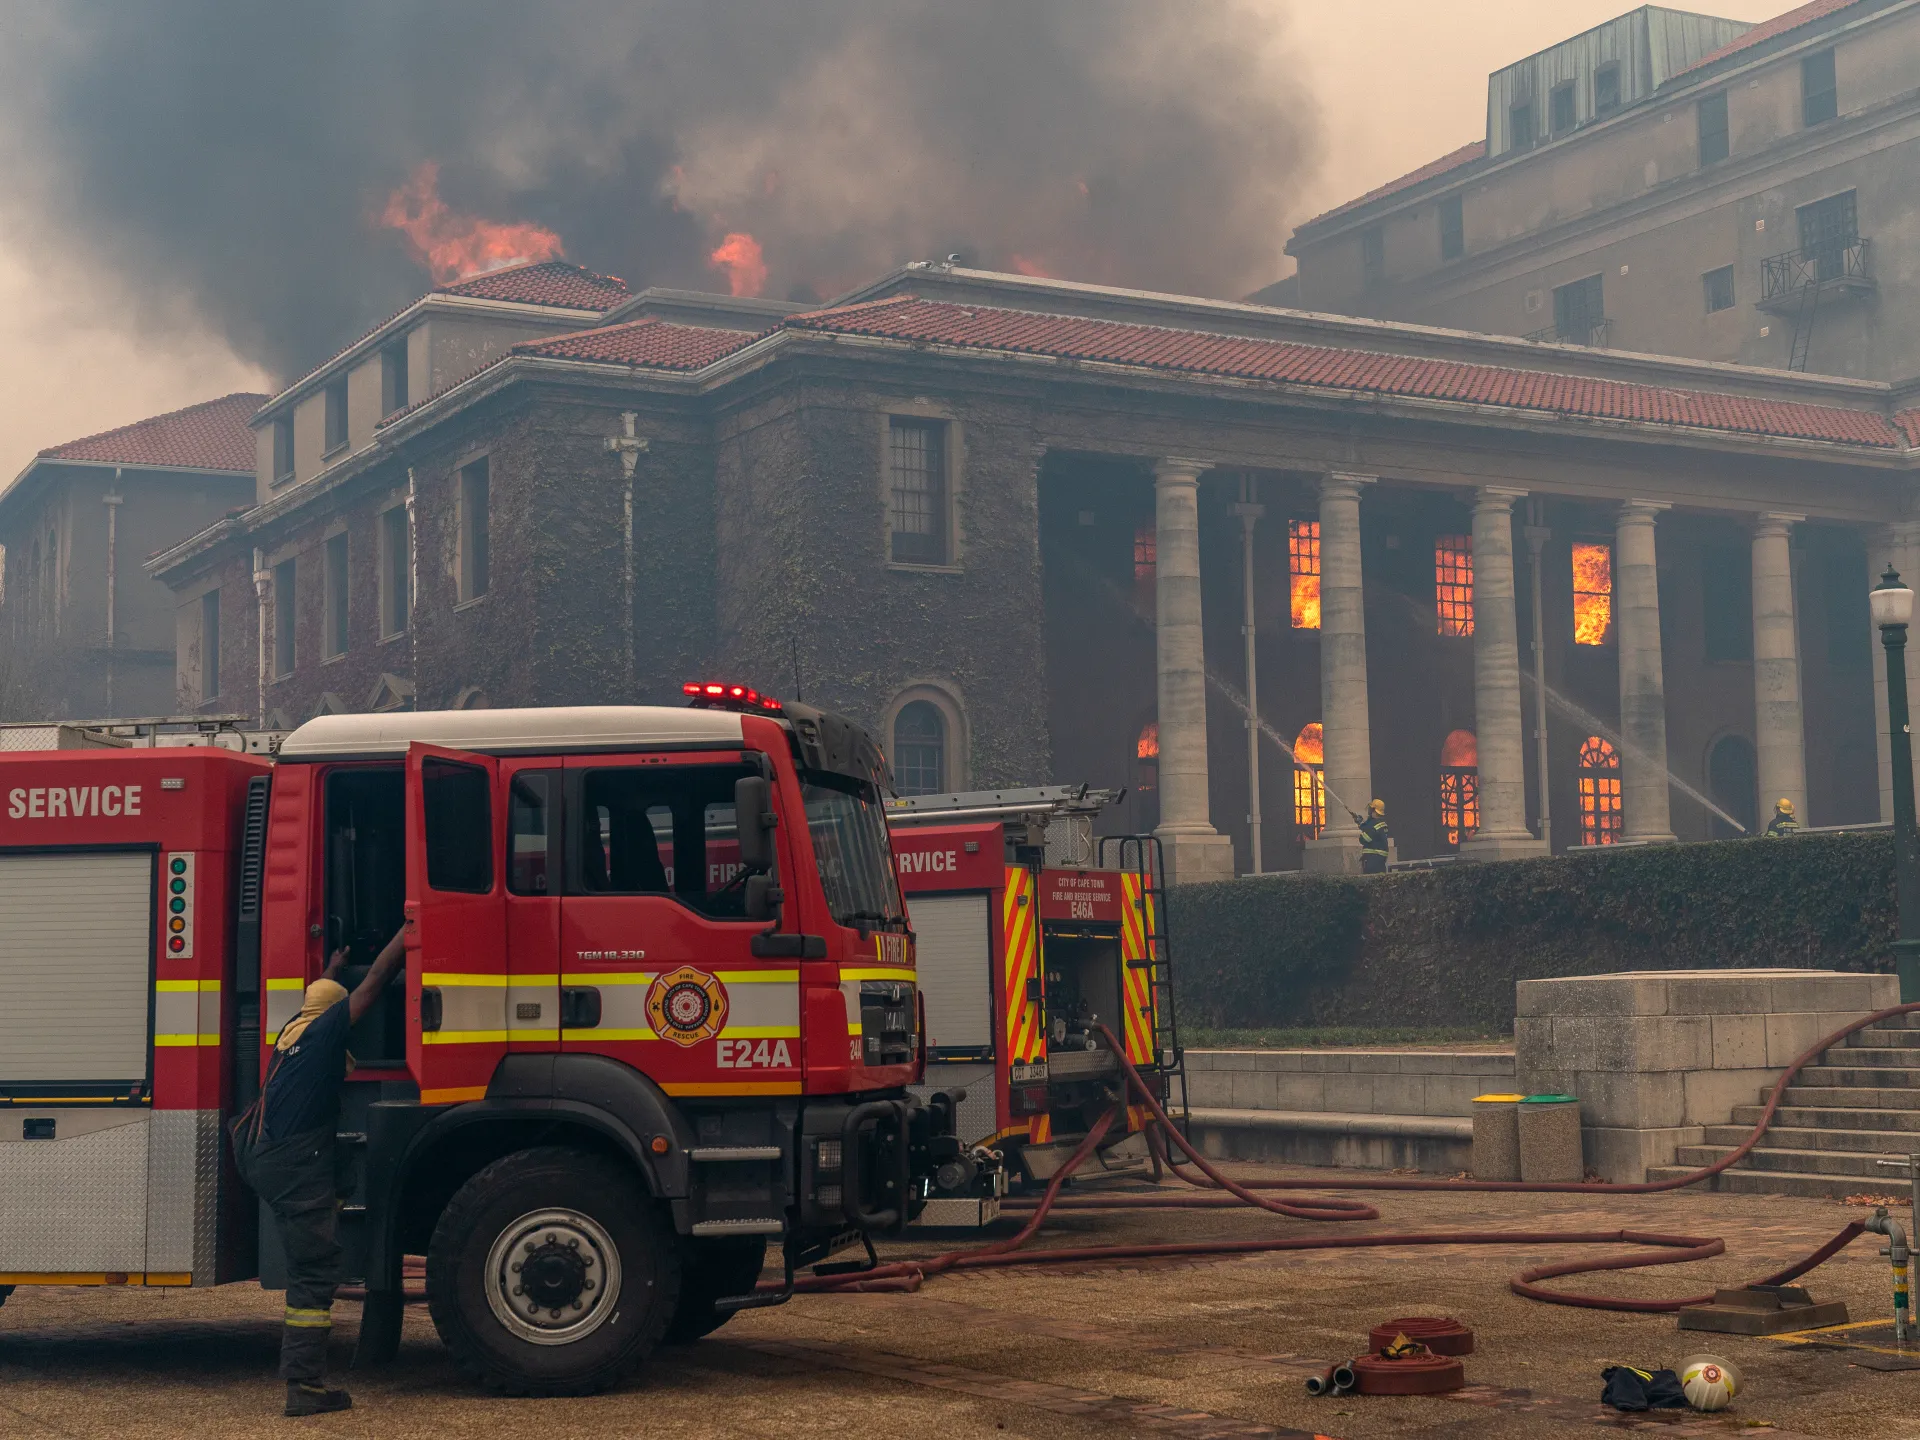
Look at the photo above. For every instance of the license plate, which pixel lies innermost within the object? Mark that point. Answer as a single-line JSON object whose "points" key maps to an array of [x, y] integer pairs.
{"points": [[1027, 1074]]}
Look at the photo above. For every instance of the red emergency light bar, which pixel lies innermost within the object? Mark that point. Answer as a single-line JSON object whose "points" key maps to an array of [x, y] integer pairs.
{"points": [[711, 695]]}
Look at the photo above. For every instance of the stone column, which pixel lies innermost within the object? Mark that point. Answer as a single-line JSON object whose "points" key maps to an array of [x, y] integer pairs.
{"points": [[1193, 850], [1779, 732], [1503, 833], [1343, 676], [1897, 545], [1643, 690]]}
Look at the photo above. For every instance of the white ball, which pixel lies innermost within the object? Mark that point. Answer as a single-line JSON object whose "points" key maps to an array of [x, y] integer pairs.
{"points": [[1709, 1381]]}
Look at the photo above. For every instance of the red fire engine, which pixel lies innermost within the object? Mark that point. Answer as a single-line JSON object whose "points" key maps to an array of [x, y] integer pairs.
{"points": [[1031, 934], [660, 1008]]}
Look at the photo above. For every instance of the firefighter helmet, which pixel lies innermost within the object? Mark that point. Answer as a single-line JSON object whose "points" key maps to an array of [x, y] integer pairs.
{"points": [[1377, 807], [1708, 1381], [1785, 807]]}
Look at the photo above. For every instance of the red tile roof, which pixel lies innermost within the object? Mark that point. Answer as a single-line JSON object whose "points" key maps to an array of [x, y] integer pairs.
{"points": [[212, 435], [1453, 160], [1767, 29], [912, 319], [1909, 423], [549, 282], [649, 342]]}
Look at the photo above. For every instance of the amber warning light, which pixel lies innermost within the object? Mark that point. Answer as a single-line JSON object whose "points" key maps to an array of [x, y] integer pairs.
{"points": [[711, 695]]}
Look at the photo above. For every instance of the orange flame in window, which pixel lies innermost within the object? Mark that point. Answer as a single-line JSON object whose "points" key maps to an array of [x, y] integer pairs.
{"points": [[1309, 747], [452, 245], [1592, 593], [746, 265], [1149, 746]]}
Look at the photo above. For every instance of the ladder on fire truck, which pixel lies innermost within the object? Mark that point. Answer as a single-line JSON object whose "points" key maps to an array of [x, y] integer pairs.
{"points": [[1140, 856]]}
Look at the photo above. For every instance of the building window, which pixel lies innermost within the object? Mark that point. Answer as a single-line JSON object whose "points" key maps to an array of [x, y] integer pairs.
{"points": [[919, 749], [336, 404], [335, 638], [1520, 125], [917, 477], [396, 572], [1373, 255], [393, 378], [1580, 311], [210, 646], [283, 449], [1726, 595], [283, 619], [1592, 592], [1453, 583], [476, 529], [1715, 145], [1453, 229], [1560, 108], [1606, 89], [1459, 787], [1819, 92], [1829, 228], [1303, 562], [1599, 788], [1719, 288], [1309, 782]]}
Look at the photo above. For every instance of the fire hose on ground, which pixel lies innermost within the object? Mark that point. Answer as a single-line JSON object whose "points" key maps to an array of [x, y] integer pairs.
{"points": [[1665, 1249]]}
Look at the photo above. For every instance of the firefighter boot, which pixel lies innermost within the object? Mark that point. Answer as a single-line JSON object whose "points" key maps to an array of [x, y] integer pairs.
{"points": [[305, 1397]]}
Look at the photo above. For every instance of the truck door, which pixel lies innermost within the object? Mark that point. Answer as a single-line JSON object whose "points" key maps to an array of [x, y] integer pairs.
{"points": [[656, 963], [457, 955]]}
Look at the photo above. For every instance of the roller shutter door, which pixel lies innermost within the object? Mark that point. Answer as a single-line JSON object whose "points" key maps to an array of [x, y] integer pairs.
{"points": [[76, 940], [953, 949]]}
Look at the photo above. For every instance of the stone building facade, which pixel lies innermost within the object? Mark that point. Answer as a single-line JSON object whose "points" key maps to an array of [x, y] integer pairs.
{"points": [[1669, 183], [1005, 522]]}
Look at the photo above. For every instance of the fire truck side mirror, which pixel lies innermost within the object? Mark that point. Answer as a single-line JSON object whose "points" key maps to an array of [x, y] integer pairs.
{"points": [[762, 898], [754, 820]]}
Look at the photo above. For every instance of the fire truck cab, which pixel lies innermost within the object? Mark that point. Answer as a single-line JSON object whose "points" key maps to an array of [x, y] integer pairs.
{"points": [[659, 1010], [1033, 937]]}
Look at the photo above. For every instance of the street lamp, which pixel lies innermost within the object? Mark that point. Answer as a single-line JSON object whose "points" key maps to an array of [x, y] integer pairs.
{"points": [[1892, 607]]}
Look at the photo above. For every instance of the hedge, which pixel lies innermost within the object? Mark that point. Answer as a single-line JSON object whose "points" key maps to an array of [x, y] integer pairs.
{"points": [[1445, 946]]}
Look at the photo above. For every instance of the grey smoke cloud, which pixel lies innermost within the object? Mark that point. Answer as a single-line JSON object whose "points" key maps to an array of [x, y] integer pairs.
{"points": [[237, 156]]}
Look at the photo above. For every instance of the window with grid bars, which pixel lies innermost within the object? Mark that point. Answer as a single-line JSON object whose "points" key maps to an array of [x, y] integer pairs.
{"points": [[1459, 786], [1592, 592], [1303, 563], [917, 473], [1453, 583], [1309, 782], [1601, 820]]}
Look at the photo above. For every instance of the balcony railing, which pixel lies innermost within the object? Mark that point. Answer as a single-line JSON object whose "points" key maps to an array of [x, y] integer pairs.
{"points": [[1578, 333], [1844, 265]]}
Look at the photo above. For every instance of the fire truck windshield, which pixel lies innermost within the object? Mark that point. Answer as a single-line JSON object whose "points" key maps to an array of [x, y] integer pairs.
{"points": [[849, 830]]}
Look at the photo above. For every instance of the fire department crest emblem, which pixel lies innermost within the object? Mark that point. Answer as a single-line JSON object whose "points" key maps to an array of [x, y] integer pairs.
{"points": [[687, 1006]]}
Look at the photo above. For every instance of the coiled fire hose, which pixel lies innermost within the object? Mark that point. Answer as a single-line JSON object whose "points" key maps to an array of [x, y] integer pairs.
{"points": [[1667, 1249]]}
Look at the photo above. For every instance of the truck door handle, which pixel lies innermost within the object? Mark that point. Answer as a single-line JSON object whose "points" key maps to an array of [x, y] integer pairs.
{"points": [[430, 1009], [579, 1007]]}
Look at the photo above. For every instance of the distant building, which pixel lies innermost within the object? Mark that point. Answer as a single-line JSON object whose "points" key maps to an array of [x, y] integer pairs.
{"points": [[87, 631], [1669, 183]]}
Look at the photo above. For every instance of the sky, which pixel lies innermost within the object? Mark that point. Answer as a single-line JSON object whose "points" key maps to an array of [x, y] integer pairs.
{"points": [[1396, 83]]}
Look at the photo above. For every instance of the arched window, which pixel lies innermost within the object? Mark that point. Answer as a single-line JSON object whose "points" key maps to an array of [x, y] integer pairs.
{"points": [[920, 749], [1733, 780], [1309, 782], [1599, 783], [1459, 786]]}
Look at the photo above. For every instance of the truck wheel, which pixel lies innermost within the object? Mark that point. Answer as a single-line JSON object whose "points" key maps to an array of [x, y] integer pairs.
{"points": [[552, 1272], [711, 1270]]}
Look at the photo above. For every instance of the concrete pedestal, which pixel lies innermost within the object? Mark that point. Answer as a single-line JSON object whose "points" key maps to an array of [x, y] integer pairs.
{"points": [[1655, 1056], [1195, 859]]}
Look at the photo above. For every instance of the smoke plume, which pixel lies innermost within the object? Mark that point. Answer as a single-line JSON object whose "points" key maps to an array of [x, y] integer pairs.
{"points": [[294, 172]]}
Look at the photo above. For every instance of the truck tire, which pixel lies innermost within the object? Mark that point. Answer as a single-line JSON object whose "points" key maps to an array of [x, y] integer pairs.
{"points": [[599, 1249], [709, 1271]]}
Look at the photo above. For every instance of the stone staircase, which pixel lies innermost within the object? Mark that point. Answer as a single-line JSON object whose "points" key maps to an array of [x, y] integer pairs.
{"points": [[1858, 1104]]}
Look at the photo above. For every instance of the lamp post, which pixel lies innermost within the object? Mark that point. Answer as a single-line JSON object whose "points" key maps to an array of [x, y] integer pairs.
{"points": [[1892, 606]]}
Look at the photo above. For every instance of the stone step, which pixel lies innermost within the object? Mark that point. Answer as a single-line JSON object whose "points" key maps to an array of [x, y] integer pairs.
{"points": [[1862, 1167], [1783, 1182], [1870, 1057], [1804, 1117], [1790, 1137], [1883, 1035], [1858, 1077], [1849, 1097]]}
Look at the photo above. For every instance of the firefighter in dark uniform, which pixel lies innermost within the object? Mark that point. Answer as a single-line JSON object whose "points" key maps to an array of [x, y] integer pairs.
{"points": [[285, 1151], [1373, 838], [1783, 823]]}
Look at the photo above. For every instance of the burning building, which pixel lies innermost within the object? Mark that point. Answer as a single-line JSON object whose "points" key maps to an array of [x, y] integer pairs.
{"points": [[1002, 520]]}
